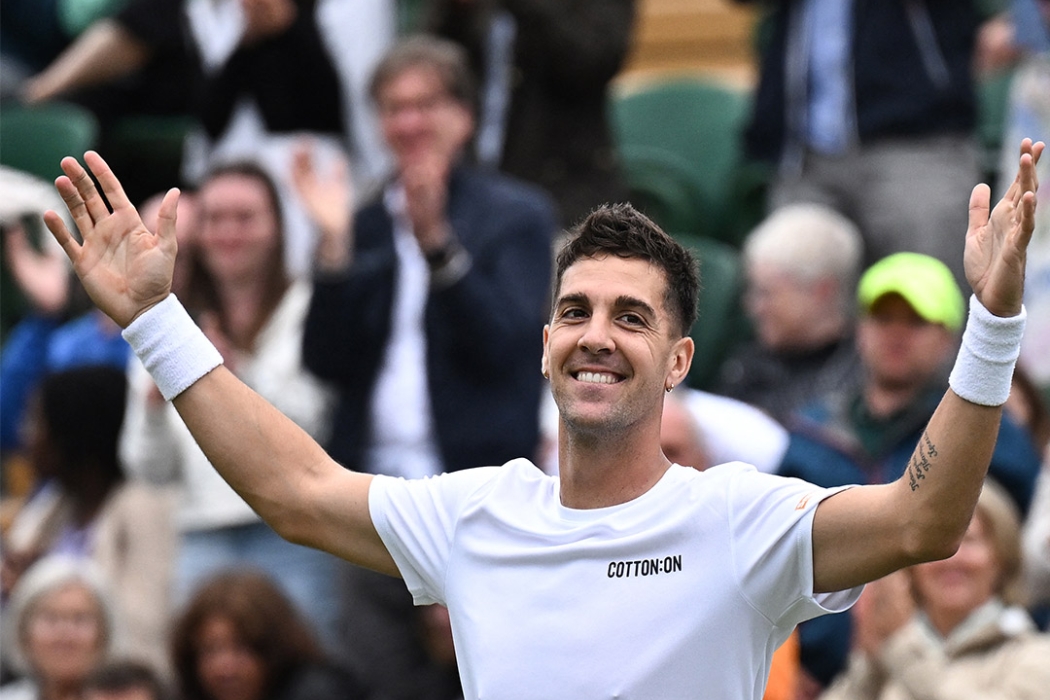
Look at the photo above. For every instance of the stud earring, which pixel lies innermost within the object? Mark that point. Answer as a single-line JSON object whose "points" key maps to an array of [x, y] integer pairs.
{"points": [[669, 389]]}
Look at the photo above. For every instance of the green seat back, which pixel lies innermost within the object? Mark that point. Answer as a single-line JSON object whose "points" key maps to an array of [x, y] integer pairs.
{"points": [[696, 121], [720, 319], [35, 139]]}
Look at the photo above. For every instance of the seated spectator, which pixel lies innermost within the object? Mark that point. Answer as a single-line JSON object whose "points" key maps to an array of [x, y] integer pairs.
{"points": [[681, 438], [84, 508], [866, 432], [254, 313], [240, 638], [47, 340], [801, 264], [734, 431], [967, 636], [124, 680], [58, 626], [1037, 539]]}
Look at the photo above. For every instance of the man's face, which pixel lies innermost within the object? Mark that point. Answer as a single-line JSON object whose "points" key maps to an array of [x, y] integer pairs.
{"points": [[612, 346], [783, 308], [420, 119], [898, 347]]}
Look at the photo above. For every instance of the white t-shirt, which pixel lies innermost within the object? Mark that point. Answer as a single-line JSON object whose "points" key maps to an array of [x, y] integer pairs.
{"points": [[683, 592]]}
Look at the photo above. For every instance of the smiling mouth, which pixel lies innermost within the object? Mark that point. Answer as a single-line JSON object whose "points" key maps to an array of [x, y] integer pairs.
{"points": [[597, 377]]}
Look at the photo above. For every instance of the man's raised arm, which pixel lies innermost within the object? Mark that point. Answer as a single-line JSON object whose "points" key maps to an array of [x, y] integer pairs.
{"points": [[864, 533], [284, 475]]}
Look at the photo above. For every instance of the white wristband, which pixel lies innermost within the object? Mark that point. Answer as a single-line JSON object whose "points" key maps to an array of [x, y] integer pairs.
{"points": [[174, 350], [990, 346]]}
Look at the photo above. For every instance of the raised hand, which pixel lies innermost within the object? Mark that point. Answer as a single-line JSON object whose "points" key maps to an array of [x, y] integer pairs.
{"points": [[42, 276], [329, 202], [426, 193], [997, 241], [124, 267]]}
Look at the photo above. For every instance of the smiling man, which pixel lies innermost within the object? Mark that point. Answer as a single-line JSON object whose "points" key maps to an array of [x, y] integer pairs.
{"points": [[626, 576]]}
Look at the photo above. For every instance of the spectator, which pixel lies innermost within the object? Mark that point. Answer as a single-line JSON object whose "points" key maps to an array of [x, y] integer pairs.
{"points": [[240, 638], [272, 76], [84, 508], [58, 626], [238, 286], [1028, 112], [124, 680], [911, 314], [46, 341], [1037, 539], [802, 265], [969, 637], [734, 431], [681, 439], [427, 314], [870, 108], [544, 69]]}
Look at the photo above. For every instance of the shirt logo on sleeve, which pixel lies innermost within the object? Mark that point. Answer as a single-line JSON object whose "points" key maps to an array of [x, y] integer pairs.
{"points": [[804, 501], [645, 567]]}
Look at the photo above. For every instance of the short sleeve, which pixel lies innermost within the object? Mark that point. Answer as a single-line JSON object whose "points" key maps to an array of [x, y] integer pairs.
{"points": [[417, 520], [771, 523]]}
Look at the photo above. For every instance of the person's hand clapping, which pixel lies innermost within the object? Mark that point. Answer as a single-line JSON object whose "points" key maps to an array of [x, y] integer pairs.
{"points": [[329, 202]]}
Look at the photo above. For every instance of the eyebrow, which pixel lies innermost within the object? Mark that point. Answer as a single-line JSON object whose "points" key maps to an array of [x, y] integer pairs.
{"points": [[623, 302]]}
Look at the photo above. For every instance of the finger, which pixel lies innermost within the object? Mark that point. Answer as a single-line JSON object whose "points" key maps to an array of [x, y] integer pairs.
{"points": [[110, 184], [1027, 227], [167, 218], [75, 204], [1026, 175], [94, 205], [979, 207], [58, 229]]}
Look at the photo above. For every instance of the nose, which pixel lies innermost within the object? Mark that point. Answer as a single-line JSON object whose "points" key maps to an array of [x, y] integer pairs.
{"points": [[597, 337]]}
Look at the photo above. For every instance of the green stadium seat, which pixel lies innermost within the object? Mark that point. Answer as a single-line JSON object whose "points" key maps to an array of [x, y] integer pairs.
{"points": [[35, 139], [721, 321], [697, 122]]}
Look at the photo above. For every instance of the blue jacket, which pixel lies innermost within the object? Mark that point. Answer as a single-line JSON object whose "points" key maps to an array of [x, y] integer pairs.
{"points": [[483, 333], [39, 345], [911, 74]]}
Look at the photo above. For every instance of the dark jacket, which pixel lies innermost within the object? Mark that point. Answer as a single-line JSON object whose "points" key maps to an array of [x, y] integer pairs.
{"points": [[911, 74], [483, 333], [566, 53]]}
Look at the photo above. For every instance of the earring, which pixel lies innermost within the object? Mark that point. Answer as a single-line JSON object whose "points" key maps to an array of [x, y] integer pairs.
{"points": [[546, 375], [669, 389]]}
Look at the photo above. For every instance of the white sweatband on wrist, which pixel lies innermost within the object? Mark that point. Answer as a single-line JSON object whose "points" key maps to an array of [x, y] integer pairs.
{"points": [[990, 346], [174, 350]]}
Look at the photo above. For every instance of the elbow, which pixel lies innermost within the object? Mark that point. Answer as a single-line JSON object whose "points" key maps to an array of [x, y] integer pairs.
{"points": [[931, 544]]}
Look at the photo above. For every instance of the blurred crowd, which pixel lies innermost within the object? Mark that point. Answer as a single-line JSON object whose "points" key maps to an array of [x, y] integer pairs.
{"points": [[371, 195]]}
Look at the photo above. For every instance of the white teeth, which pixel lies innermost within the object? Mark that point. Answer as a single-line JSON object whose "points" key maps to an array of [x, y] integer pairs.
{"points": [[596, 378]]}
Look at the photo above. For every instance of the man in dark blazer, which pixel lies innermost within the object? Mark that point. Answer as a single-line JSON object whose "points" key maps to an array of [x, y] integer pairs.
{"points": [[427, 312]]}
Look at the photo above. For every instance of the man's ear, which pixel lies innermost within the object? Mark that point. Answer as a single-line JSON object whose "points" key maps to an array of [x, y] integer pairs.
{"points": [[545, 364], [681, 360]]}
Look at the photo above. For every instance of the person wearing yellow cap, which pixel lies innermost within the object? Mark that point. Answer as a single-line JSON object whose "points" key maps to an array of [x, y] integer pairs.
{"points": [[910, 315]]}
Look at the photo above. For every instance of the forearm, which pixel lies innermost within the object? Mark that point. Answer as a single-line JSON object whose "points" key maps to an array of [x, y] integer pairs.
{"points": [[104, 52]]}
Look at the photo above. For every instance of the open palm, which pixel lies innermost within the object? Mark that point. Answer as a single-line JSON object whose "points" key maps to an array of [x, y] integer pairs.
{"points": [[124, 267], [997, 240]]}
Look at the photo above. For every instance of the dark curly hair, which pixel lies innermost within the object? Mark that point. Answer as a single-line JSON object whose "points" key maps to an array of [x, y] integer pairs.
{"points": [[623, 231], [264, 618]]}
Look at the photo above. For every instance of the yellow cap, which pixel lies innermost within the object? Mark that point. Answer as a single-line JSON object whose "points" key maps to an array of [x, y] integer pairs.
{"points": [[925, 283]]}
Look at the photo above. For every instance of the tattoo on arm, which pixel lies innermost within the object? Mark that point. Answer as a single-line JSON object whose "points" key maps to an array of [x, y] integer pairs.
{"points": [[920, 461]]}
